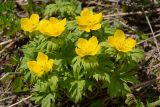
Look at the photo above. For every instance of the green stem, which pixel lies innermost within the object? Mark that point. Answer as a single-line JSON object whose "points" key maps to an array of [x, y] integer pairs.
{"points": [[91, 33], [30, 6]]}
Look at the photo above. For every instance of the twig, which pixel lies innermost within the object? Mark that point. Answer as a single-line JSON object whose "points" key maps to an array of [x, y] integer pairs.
{"points": [[9, 73], [154, 67], [23, 99], [5, 92], [9, 45], [144, 84], [6, 98], [148, 39], [155, 40], [97, 3], [6, 42], [125, 25], [4, 76], [130, 13]]}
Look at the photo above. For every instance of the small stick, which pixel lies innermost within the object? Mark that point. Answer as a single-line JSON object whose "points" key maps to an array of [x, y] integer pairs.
{"points": [[144, 84], [6, 98], [6, 42], [4, 76], [125, 25], [9, 45], [5, 92], [154, 67], [23, 99], [130, 13], [148, 39], [9, 73], [155, 40]]}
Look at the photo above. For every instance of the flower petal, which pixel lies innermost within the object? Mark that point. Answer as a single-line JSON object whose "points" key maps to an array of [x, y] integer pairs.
{"points": [[81, 43], [86, 12], [93, 44], [95, 51], [85, 28], [111, 41], [130, 43], [34, 67], [53, 20], [63, 22], [42, 58], [119, 34], [42, 26], [93, 41], [34, 18], [80, 52], [49, 65], [98, 17], [96, 26], [26, 25]]}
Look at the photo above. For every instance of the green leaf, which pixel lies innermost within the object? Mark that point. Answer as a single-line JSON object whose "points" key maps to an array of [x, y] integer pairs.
{"points": [[65, 8], [50, 9], [41, 86], [107, 28], [37, 98], [53, 83], [46, 102], [76, 90], [17, 85], [90, 63], [117, 87], [140, 104], [137, 54], [129, 77], [89, 85], [100, 75], [15, 59], [142, 36]]}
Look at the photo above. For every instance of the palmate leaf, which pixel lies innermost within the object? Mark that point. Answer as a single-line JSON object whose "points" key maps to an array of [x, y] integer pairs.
{"points": [[63, 7], [129, 77], [53, 83], [76, 90], [50, 9], [127, 71], [46, 102], [137, 54], [45, 99], [100, 75], [44, 92], [117, 87]]}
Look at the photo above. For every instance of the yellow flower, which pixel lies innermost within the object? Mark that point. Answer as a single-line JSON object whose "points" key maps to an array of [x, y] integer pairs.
{"points": [[120, 42], [30, 24], [42, 65], [52, 27], [88, 21], [87, 47]]}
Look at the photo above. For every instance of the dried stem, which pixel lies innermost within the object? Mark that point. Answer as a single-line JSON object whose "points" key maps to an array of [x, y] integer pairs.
{"points": [[148, 39], [155, 40], [6, 42], [131, 13], [23, 99], [144, 84]]}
